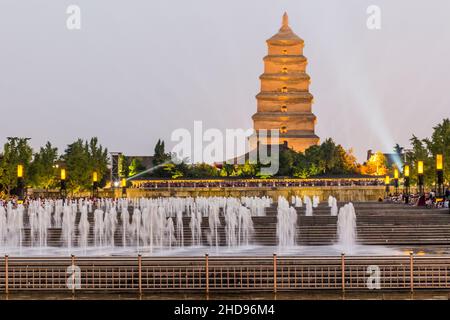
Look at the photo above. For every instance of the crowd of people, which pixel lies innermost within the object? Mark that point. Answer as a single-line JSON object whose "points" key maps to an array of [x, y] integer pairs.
{"points": [[257, 183], [427, 199]]}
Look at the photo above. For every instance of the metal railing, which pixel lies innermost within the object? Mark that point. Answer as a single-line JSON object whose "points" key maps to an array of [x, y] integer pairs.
{"points": [[147, 274]]}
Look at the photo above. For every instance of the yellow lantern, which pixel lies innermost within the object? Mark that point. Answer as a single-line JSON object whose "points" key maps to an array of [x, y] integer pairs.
{"points": [[19, 171], [396, 173], [124, 182], [406, 171], [95, 176], [439, 162], [63, 174], [387, 180], [420, 167]]}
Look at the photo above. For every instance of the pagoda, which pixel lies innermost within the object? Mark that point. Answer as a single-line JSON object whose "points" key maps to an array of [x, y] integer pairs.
{"points": [[284, 102]]}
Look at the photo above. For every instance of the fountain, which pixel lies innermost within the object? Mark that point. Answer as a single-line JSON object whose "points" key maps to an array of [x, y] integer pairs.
{"points": [[180, 233], [315, 202], [245, 226], [110, 225], [297, 201], [286, 224], [196, 228], [83, 228], [309, 206], [68, 225], [157, 226], [346, 228], [214, 223], [332, 202], [99, 227], [169, 233], [125, 220], [230, 226]]}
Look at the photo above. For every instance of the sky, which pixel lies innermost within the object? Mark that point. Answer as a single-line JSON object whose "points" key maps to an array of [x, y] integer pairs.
{"points": [[138, 70]]}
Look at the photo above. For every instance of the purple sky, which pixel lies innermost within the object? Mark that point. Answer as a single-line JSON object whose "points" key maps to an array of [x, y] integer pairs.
{"points": [[139, 69]]}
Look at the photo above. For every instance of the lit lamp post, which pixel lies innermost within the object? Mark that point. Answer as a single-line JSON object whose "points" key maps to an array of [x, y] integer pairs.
{"points": [[124, 187], [20, 184], [406, 183], [396, 175], [387, 182], [63, 186], [94, 183], [420, 177], [440, 175]]}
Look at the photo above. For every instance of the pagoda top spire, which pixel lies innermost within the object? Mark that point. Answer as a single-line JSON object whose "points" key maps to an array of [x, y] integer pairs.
{"points": [[285, 34], [285, 23]]}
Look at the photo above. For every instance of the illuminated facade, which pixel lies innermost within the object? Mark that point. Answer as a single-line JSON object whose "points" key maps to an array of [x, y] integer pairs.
{"points": [[284, 102]]}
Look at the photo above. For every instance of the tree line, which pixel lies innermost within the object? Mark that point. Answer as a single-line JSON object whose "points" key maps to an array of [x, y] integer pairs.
{"points": [[327, 158], [42, 169], [82, 157]]}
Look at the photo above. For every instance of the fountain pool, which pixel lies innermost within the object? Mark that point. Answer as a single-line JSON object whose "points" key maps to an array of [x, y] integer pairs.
{"points": [[171, 227]]}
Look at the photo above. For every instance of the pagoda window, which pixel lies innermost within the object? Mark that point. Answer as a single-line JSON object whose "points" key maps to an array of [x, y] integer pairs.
{"points": [[283, 108], [283, 129], [284, 89], [284, 70], [285, 51]]}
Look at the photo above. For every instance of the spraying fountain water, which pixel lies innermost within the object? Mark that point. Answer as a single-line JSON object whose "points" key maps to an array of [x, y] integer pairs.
{"points": [[230, 226], [316, 201], [180, 230], [110, 225], [125, 220], [333, 204], [286, 224], [297, 201], [196, 228], [309, 206], [214, 223], [245, 226], [170, 233], [68, 225], [99, 228], [83, 228], [157, 226], [346, 228]]}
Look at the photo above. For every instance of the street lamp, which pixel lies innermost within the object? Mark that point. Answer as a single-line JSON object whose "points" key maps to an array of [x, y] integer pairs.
{"points": [[440, 175], [94, 183], [20, 184], [124, 187], [387, 182], [396, 175], [420, 176], [406, 183], [63, 186]]}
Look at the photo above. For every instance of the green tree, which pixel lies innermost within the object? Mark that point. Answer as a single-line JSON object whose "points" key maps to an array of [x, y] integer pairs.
{"points": [[202, 170], [439, 143], [420, 153], [42, 170], [398, 150], [82, 158], [15, 151], [426, 150], [327, 158], [286, 162], [123, 166], [98, 160], [79, 171], [135, 167], [160, 156]]}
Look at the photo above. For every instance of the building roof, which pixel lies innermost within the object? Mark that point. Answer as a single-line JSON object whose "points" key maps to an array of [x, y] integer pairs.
{"points": [[285, 35]]}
